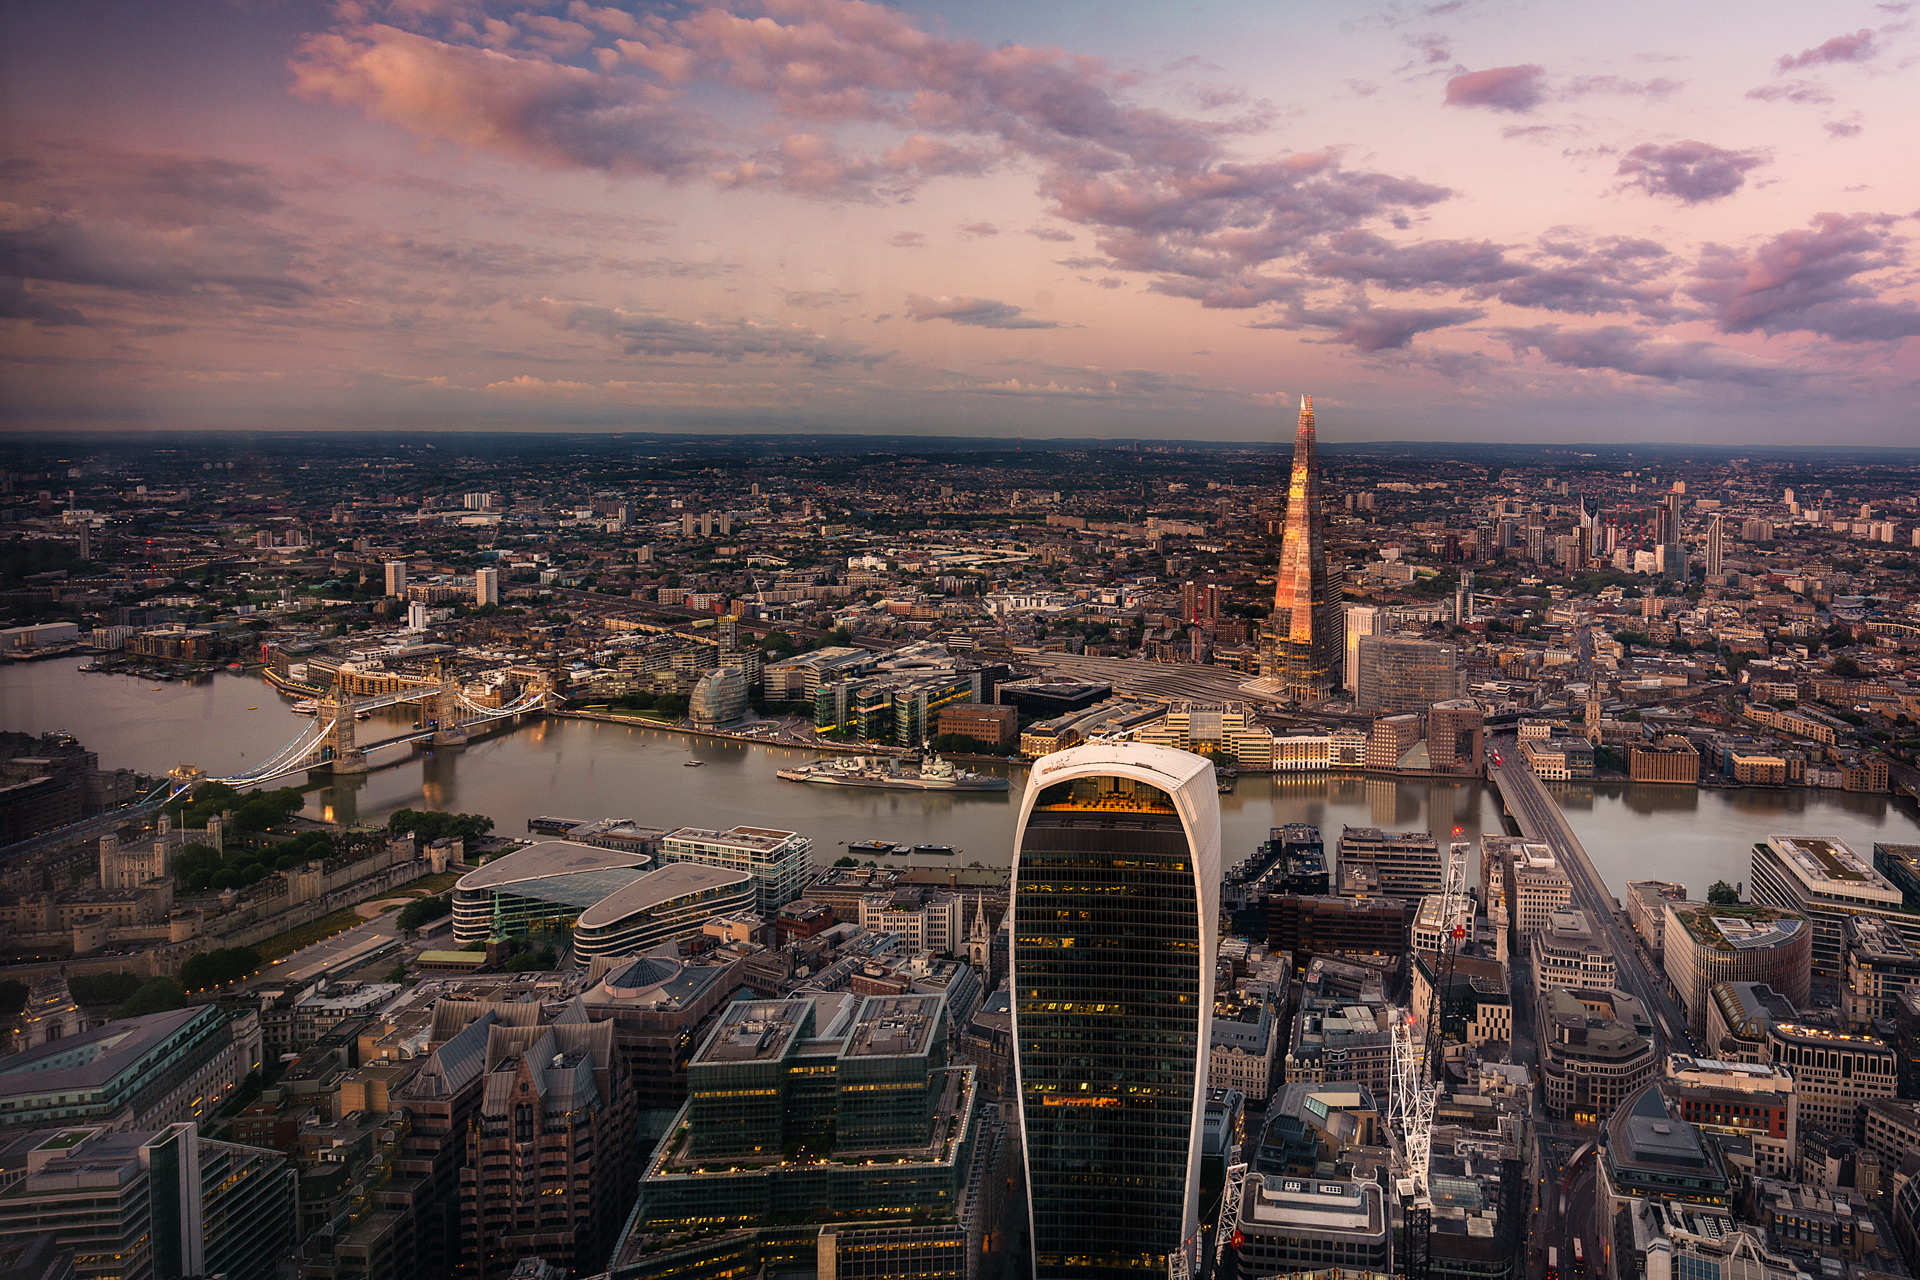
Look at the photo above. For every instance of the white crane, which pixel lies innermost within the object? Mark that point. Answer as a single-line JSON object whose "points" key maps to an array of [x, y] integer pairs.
{"points": [[1418, 1046]]}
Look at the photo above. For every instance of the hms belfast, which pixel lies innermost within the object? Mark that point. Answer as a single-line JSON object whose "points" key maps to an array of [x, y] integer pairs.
{"points": [[1305, 643]]}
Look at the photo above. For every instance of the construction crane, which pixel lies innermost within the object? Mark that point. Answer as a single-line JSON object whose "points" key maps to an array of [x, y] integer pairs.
{"points": [[1419, 1049]]}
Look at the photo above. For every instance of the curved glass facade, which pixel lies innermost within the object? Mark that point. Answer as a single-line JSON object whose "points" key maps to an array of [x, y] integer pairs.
{"points": [[1113, 986]]}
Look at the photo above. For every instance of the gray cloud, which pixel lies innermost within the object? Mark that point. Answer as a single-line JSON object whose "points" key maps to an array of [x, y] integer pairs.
{"points": [[1690, 172], [648, 333], [1632, 351], [1855, 46], [1809, 280], [983, 313]]}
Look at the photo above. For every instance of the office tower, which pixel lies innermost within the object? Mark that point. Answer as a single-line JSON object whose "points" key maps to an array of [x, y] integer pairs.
{"points": [[1303, 640], [396, 577], [1714, 535], [1457, 737], [149, 1205], [1361, 620], [1406, 675], [1675, 566], [486, 586], [550, 1152], [1116, 884]]}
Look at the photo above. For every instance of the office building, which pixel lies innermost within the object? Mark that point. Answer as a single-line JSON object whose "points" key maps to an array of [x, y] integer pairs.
{"points": [[1244, 1045], [1651, 1154], [719, 698], [141, 1204], [1304, 648], [809, 1112], [1738, 1017], [1403, 864], [1670, 758], [1834, 1073], [133, 1073], [1646, 910], [1568, 953], [995, 727], [1588, 1062], [1699, 1242], [1116, 881], [550, 1162], [396, 571], [1521, 881], [1702, 945], [1751, 1101], [1403, 675], [1457, 738], [1876, 965], [1306, 926], [1314, 1225], [1361, 620], [1715, 549], [780, 862], [1823, 879], [1673, 549], [541, 888], [661, 906], [486, 586]]}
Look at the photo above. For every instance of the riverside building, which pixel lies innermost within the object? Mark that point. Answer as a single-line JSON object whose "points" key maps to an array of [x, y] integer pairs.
{"points": [[1824, 880], [1116, 881], [1702, 945]]}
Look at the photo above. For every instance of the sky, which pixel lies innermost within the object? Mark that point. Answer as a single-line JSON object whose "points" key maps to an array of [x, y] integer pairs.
{"points": [[1538, 222]]}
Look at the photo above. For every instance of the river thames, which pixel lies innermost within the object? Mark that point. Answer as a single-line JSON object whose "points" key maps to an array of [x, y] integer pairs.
{"points": [[586, 769]]}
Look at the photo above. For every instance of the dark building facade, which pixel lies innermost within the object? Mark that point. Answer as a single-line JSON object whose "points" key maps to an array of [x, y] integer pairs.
{"points": [[1311, 926], [1115, 905]]}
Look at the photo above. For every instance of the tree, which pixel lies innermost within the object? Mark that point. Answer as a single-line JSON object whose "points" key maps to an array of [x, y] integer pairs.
{"points": [[1723, 894], [103, 988], [846, 862], [156, 995], [397, 974], [1845, 667], [211, 969], [13, 997], [422, 910]]}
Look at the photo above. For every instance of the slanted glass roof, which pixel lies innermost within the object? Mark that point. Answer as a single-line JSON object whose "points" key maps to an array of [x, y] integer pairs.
{"points": [[581, 889]]}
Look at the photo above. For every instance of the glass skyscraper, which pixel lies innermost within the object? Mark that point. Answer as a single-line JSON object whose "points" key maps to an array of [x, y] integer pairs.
{"points": [[1304, 647], [1116, 889]]}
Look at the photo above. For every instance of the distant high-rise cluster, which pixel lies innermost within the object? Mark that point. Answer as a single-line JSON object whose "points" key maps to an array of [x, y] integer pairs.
{"points": [[1304, 649]]}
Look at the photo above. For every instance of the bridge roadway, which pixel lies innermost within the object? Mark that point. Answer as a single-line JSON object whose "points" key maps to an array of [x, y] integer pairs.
{"points": [[1539, 818]]}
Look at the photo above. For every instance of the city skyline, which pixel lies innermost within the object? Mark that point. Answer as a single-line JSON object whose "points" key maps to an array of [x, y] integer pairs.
{"points": [[1455, 223]]}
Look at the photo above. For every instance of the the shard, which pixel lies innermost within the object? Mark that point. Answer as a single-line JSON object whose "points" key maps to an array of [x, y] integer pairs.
{"points": [[1305, 634]]}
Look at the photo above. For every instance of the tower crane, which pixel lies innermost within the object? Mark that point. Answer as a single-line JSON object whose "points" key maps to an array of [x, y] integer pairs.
{"points": [[1419, 1047]]}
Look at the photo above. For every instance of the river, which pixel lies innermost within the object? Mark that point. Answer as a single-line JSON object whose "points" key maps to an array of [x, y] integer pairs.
{"points": [[587, 769]]}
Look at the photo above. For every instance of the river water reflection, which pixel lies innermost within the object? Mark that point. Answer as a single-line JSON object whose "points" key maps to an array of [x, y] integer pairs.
{"points": [[587, 769]]}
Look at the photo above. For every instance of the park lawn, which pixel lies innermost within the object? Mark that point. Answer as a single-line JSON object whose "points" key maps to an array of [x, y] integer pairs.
{"points": [[282, 945]]}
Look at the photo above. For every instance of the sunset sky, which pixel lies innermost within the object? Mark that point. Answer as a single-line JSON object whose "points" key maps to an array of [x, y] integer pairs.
{"points": [[1545, 221]]}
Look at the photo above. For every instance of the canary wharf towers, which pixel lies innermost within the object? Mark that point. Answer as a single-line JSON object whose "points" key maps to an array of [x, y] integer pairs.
{"points": [[1115, 900], [1303, 650]]}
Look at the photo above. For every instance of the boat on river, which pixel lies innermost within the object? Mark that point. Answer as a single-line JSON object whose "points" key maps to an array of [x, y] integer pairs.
{"points": [[929, 773]]}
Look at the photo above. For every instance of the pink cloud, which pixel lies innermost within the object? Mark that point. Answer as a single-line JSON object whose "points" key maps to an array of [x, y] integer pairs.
{"points": [[1855, 46], [1520, 88]]}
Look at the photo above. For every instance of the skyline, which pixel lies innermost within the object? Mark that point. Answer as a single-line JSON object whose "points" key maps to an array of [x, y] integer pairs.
{"points": [[1457, 221]]}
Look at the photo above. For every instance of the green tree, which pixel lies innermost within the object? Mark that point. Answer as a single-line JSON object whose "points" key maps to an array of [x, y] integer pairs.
{"points": [[1845, 667], [103, 988], [422, 910], [1723, 894], [155, 995], [210, 969], [13, 997]]}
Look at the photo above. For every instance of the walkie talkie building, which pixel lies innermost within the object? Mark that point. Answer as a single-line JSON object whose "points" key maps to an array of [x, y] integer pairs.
{"points": [[1116, 891]]}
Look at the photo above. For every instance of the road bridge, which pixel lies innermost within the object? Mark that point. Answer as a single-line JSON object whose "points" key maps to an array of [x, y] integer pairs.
{"points": [[1539, 818]]}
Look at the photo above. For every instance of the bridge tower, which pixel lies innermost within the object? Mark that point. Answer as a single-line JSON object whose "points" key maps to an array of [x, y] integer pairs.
{"points": [[448, 731], [338, 744]]}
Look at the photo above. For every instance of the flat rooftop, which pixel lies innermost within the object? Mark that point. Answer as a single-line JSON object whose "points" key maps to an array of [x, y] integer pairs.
{"points": [[1826, 865], [755, 1031], [894, 1027], [753, 839]]}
